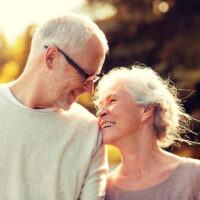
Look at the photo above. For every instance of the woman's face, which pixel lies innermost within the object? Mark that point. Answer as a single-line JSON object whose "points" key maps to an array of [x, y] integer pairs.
{"points": [[119, 116]]}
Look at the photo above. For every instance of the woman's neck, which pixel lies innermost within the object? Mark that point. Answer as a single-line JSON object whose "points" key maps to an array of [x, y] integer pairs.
{"points": [[141, 155], [140, 158]]}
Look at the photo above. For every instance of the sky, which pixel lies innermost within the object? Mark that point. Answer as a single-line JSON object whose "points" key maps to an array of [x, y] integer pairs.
{"points": [[16, 15]]}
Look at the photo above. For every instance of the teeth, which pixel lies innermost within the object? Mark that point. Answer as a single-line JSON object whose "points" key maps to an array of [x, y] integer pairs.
{"points": [[107, 124]]}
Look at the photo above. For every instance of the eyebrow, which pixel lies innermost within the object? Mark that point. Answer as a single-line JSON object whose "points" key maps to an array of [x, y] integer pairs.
{"points": [[109, 96]]}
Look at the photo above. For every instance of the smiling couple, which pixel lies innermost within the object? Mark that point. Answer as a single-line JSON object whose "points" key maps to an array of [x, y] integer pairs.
{"points": [[51, 147]]}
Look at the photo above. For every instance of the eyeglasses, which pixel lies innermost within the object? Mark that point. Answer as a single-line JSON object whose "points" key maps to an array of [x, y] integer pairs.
{"points": [[76, 66]]}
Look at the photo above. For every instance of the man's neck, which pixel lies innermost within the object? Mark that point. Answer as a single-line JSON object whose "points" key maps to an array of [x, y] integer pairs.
{"points": [[24, 89]]}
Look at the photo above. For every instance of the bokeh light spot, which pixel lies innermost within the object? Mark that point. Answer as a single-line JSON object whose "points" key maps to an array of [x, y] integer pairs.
{"points": [[163, 6]]}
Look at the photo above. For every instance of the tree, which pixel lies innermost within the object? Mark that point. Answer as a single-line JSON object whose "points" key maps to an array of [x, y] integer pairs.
{"points": [[163, 34]]}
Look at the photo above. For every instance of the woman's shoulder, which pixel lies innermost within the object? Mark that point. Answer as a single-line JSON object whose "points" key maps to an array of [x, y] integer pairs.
{"points": [[191, 162], [190, 166]]}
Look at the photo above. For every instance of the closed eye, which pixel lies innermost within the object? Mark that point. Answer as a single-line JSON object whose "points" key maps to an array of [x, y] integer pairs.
{"points": [[113, 100]]}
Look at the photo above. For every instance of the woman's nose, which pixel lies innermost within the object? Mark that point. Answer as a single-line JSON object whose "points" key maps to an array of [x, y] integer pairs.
{"points": [[101, 113]]}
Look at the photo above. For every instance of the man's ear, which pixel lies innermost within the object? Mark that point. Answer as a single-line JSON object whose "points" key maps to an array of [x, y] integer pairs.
{"points": [[148, 112], [50, 56]]}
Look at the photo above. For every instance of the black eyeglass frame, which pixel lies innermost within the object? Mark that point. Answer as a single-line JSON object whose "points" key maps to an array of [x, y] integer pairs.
{"points": [[76, 66]]}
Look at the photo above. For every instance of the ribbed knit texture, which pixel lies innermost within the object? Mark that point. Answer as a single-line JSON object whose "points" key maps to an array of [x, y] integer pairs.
{"points": [[50, 155]]}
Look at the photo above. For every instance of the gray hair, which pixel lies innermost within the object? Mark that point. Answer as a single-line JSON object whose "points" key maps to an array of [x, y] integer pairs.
{"points": [[148, 88], [70, 32]]}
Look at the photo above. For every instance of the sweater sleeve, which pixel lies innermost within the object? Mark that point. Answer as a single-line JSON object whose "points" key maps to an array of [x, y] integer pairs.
{"points": [[95, 181]]}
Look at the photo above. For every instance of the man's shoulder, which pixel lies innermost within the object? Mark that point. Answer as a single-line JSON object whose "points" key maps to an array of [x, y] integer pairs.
{"points": [[77, 111], [77, 107], [4, 91], [82, 111], [83, 121], [4, 86]]}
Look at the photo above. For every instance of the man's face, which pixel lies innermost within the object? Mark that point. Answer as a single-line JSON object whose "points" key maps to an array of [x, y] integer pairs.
{"points": [[67, 83]]}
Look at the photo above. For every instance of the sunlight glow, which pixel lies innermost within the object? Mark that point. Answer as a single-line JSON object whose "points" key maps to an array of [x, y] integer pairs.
{"points": [[103, 11], [160, 7], [163, 7], [16, 15]]}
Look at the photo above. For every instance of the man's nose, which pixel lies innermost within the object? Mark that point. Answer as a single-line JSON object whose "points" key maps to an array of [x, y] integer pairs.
{"points": [[89, 86]]}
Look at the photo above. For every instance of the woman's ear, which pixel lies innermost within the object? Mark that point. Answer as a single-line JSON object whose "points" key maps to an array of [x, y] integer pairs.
{"points": [[148, 112], [50, 55]]}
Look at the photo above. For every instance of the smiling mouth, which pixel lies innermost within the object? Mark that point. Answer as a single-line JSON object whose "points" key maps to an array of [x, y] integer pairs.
{"points": [[107, 124]]}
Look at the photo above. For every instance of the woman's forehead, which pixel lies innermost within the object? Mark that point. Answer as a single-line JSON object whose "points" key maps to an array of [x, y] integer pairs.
{"points": [[112, 90]]}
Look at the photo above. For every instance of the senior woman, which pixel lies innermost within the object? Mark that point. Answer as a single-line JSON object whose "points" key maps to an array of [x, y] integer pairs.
{"points": [[139, 113]]}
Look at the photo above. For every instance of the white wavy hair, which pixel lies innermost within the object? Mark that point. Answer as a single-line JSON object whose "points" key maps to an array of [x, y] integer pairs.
{"points": [[70, 33], [148, 88]]}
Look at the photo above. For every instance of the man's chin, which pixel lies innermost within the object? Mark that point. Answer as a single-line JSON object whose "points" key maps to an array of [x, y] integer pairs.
{"points": [[65, 104], [65, 107]]}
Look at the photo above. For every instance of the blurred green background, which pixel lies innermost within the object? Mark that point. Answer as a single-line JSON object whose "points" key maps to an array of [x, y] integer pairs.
{"points": [[164, 35]]}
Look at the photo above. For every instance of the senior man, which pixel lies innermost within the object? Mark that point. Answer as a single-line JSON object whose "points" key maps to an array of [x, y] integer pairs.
{"points": [[49, 148]]}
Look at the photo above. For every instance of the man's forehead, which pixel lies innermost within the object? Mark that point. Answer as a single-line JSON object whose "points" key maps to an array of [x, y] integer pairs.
{"points": [[95, 56]]}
